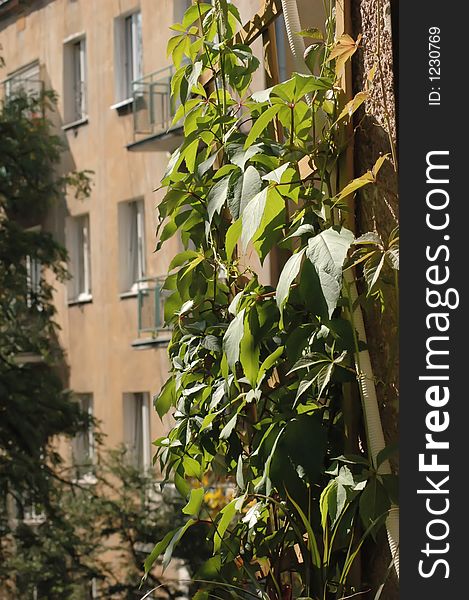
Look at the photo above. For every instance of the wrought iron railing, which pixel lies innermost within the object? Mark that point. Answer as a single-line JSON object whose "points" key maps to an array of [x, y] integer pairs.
{"points": [[153, 107]]}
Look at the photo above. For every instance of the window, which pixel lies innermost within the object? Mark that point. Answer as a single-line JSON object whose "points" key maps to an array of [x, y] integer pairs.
{"points": [[180, 7], [137, 429], [33, 513], [75, 80], [128, 54], [78, 244], [131, 244], [83, 443], [26, 80], [33, 281]]}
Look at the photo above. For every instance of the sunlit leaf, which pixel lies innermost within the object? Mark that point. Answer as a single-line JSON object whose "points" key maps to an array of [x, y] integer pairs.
{"points": [[287, 276], [232, 338], [252, 216], [344, 49], [192, 508]]}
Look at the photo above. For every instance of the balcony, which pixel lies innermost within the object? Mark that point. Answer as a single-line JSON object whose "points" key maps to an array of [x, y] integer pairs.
{"points": [[153, 112], [150, 306], [18, 86], [26, 88]]}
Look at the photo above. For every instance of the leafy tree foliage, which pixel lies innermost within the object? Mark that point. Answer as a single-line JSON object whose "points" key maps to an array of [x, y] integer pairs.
{"points": [[57, 533], [33, 405], [96, 535], [258, 370]]}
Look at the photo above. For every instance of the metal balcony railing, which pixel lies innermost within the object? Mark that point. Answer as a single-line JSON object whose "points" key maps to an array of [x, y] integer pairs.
{"points": [[151, 298], [153, 107]]}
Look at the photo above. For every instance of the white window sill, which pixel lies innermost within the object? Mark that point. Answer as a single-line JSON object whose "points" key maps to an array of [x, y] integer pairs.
{"points": [[75, 124], [134, 290], [129, 294], [82, 299], [36, 520], [87, 479], [122, 104]]}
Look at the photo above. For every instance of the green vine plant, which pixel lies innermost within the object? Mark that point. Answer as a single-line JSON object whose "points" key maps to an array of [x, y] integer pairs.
{"points": [[257, 378]]}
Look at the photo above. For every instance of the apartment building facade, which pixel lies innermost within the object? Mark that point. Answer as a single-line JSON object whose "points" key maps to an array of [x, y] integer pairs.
{"points": [[107, 61]]}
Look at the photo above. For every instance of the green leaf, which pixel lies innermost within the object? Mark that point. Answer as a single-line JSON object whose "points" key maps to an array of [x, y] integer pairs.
{"points": [[327, 252], [189, 155], [270, 231], [159, 548], [211, 342], [372, 269], [228, 428], [374, 502], [261, 123], [239, 473], [166, 398], [182, 258], [217, 197], [365, 179], [371, 237], [232, 338], [276, 174], [355, 185], [353, 105], [269, 362], [232, 237], [174, 541], [252, 217], [285, 90], [305, 442], [251, 187], [249, 349], [328, 496], [192, 467], [384, 454], [173, 42], [312, 543], [312, 33], [235, 186], [182, 485], [262, 95], [194, 505], [240, 156], [302, 230], [192, 13], [193, 264], [193, 78], [305, 84], [392, 258], [287, 276], [226, 515]]}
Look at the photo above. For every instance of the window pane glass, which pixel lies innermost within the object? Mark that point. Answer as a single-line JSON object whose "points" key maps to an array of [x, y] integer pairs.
{"points": [[128, 56], [83, 442]]}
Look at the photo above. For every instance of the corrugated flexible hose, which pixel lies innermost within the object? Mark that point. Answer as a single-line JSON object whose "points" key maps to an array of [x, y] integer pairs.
{"points": [[369, 400]]}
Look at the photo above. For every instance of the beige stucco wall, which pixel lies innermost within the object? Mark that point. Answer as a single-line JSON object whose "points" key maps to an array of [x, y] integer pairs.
{"points": [[97, 336]]}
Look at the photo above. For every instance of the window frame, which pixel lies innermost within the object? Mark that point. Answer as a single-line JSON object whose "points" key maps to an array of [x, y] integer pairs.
{"points": [[75, 294], [86, 438], [136, 413], [128, 55], [33, 68], [75, 80], [131, 223]]}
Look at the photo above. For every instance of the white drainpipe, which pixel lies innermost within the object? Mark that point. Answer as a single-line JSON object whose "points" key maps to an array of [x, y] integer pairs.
{"points": [[374, 428]]}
